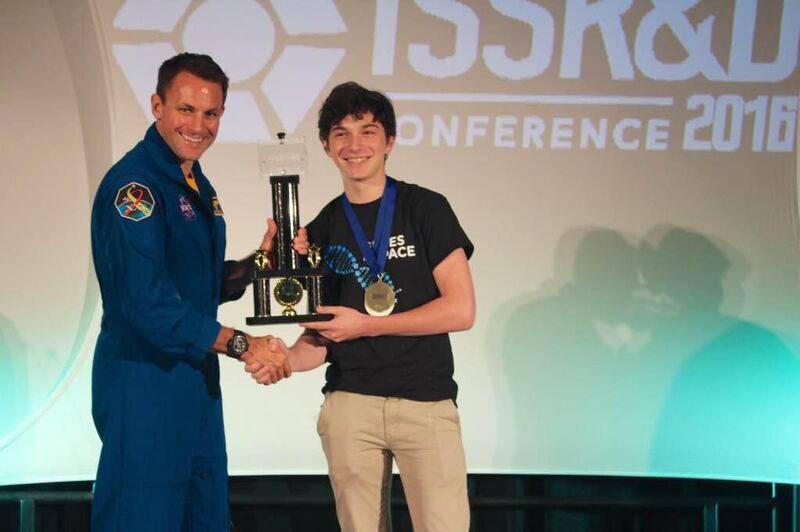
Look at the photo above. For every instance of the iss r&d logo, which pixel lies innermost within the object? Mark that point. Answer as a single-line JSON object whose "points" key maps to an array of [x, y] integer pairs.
{"points": [[717, 84], [271, 88]]}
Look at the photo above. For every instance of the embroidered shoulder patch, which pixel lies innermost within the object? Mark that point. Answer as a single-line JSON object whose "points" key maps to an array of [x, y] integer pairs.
{"points": [[216, 207], [135, 202]]}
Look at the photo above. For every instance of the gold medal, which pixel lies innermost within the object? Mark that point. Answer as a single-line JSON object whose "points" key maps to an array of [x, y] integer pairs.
{"points": [[379, 298]]}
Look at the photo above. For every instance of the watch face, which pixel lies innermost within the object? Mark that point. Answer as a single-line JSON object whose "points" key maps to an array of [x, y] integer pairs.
{"points": [[238, 344]]}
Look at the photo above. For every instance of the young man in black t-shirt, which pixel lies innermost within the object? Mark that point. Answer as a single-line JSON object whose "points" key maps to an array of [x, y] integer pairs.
{"points": [[399, 282]]}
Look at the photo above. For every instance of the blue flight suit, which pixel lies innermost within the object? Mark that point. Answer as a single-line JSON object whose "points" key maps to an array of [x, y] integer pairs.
{"points": [[159, 252]]}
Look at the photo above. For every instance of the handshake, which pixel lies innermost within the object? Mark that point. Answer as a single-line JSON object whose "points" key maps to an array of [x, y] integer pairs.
{"points": [[267, 359]]}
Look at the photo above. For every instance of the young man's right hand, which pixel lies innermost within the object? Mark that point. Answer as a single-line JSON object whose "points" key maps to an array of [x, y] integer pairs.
{"points": [[300, 241]]}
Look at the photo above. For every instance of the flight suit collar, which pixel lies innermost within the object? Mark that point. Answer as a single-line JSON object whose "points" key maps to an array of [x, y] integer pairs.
{"points": [[168, 164]]}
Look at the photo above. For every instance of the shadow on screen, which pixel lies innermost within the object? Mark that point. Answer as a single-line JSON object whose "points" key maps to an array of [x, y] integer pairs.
{"points": [[732, 409], [623, 363]]}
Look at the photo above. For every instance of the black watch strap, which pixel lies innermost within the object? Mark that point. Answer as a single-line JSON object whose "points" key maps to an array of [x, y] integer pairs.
{"points": [[238, 345]]}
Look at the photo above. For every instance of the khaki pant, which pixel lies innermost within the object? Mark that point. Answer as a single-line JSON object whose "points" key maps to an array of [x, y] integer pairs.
{"points": [[362, 433]]}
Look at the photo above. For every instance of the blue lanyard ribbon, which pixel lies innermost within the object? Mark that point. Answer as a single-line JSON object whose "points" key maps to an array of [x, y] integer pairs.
{"points": [[375, 256]]}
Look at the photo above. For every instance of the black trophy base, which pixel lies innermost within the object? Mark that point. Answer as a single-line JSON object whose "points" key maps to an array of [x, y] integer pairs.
{"points": [[299, 318]]}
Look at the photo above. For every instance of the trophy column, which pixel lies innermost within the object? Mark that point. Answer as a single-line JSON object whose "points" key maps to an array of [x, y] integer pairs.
{"points": [[285, 208], [290, 289]]}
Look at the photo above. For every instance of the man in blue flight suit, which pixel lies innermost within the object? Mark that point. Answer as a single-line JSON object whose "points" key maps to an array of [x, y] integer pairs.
{"points": [[158, 241]]}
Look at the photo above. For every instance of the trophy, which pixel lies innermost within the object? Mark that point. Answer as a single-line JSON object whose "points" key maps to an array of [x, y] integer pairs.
{"points": [[289, 290]]}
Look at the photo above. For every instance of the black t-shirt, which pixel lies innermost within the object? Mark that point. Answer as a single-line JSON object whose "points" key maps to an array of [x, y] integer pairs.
{"points": [[424, 232]]}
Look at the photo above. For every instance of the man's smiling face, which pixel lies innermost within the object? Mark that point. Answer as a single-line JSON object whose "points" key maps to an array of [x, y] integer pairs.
{"points": [[188, 117], [358, 147]]}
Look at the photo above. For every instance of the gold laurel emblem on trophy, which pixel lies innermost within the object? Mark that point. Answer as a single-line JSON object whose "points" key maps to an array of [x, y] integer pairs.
{"points": [[288, 292], [314, 255], [261, 259]]}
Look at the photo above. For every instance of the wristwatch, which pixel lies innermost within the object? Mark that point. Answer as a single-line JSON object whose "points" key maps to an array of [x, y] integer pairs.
{"points": [[238, 345]]}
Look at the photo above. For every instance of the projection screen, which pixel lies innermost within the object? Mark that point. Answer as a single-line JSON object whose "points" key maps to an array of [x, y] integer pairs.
{"points": [[627, 170]]}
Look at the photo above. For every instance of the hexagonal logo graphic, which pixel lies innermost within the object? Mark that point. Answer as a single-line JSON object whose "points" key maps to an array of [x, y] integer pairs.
{"points": [[241, 35]]}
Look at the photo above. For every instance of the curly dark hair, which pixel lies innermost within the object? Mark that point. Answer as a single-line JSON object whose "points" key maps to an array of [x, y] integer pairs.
{"points": [[350, 98]]}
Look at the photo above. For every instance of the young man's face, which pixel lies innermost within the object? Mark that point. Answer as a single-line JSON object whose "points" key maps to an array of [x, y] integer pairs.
{"points": [[358, 147], [188, 118]]}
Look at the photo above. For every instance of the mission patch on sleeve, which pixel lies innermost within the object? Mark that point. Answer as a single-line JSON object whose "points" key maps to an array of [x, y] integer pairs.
{"points": [[135, 202]]}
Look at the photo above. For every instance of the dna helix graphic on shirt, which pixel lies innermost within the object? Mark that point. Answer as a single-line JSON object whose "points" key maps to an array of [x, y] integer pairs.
{"points": [[341, 261]]}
